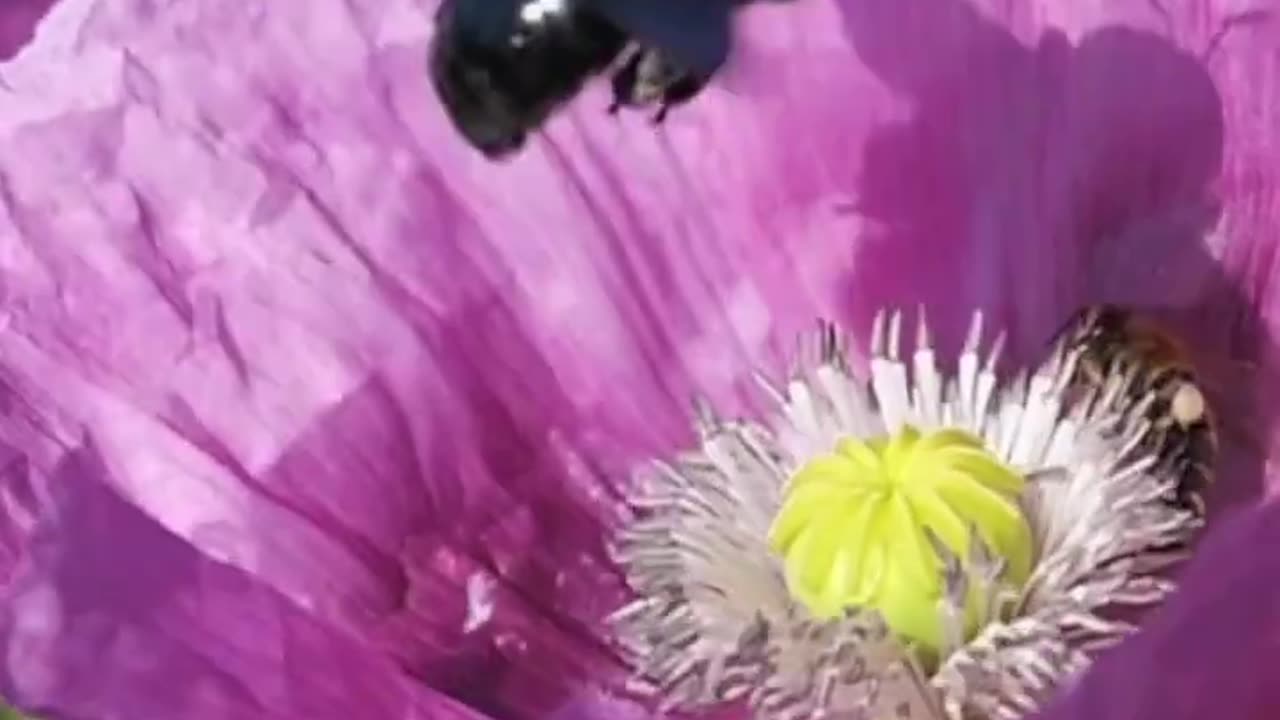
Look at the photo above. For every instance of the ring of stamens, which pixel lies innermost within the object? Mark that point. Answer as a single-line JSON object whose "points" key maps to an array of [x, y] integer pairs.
{"points": [[904, 545]]}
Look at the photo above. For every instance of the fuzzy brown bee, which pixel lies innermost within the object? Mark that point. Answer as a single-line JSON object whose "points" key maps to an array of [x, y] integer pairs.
{"points": [[1160, 382]]}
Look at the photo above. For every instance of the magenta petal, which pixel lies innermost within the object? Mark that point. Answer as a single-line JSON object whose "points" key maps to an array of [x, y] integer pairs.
{"points": [[1211, 651], [309, 342], [112, 616], [1050, 155], [314, 336]]}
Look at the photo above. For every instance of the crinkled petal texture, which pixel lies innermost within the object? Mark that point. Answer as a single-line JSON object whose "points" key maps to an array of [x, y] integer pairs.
{"points": [[346, 386], [113, 616]]}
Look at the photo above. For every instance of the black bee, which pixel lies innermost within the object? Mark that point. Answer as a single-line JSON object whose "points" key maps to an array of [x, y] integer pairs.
{"points": [[649, 77], [501, 67]]}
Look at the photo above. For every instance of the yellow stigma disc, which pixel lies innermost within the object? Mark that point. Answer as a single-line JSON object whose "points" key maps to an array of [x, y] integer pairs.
{"points": [[851, 527]]}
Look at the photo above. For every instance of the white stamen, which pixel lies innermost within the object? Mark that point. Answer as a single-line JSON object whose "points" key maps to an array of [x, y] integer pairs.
{"points": [[889, 380], [928, 383]]}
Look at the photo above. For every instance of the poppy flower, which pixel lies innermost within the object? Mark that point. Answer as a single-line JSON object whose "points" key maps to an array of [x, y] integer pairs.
{"points": [[309, 410], [914, 546]]}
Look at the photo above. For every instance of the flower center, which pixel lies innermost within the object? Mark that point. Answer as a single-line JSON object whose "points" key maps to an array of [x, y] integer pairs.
{"points": [[852, 526]]}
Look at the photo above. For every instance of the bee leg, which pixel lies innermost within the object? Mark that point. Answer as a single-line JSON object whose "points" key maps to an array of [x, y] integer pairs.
{"points": [[661, 116]]}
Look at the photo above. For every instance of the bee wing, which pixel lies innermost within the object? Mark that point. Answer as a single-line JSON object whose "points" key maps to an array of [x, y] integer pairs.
{"points": [[481, 21], [1163, 255], [696, 33]]}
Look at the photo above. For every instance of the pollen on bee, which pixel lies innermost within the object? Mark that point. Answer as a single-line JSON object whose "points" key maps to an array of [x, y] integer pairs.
{"points": [[1188, 405]]}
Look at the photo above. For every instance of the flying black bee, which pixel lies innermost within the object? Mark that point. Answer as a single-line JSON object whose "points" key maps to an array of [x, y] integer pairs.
{"points": [[501, 67], [1112, 341], [679, 46], [649, 77]]}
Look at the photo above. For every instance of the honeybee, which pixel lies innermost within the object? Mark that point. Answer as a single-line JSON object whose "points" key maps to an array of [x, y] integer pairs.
{"points": [[1114, 342], [648, 77]]}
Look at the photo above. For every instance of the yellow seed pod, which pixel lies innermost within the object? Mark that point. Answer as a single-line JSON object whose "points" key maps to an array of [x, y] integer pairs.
{"points": [[851, 529]]}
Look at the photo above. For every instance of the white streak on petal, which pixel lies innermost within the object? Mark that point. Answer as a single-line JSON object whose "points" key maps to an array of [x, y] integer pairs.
{"points": [[480, 602]]}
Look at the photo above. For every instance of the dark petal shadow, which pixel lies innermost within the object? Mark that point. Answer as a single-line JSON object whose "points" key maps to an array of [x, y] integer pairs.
{"points": [[511, 525], [111, 613], [495, 537], [1208, 651], [18, 21], [1031, 180]]}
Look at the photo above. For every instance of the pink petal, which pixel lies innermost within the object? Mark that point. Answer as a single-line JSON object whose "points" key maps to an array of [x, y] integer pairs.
{"points": [[112, 616], [313, 335], [1211, 650]]}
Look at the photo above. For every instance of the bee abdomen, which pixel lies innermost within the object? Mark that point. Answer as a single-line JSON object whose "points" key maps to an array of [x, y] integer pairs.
{"points": [[1159, 383]]}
